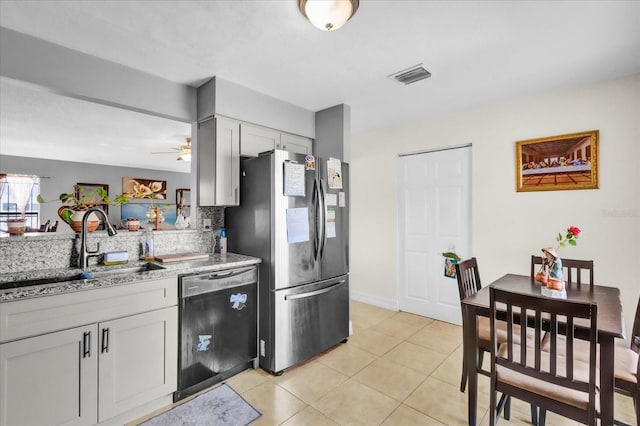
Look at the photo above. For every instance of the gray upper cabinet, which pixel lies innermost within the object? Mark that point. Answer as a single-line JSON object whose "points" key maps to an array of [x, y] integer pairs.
{"points": [[254, 140], [219, 162], [221, 143], [294, 143]]}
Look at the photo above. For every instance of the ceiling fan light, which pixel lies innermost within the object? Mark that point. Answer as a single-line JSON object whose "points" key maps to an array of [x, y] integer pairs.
{"points": [[328, 15], [184, 157]]}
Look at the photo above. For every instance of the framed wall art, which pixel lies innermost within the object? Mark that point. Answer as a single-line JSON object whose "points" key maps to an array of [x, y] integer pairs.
{"points": [[558, 162], [144, 188], [144, 212]]}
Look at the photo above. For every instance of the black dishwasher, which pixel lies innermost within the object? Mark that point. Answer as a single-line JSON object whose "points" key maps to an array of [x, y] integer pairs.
{"points": [[218, 327]]}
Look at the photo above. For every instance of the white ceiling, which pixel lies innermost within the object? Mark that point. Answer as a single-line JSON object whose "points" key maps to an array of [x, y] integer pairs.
{"points": [[478, 52]]}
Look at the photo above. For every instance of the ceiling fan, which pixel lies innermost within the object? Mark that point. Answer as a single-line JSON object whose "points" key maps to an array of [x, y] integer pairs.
{"points": [[184, 151]]}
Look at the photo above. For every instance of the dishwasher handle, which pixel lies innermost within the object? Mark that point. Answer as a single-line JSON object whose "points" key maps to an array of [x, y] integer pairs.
{"points": [[205, 282]]}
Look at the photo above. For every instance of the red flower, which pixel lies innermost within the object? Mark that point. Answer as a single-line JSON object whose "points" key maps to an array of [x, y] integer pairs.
{"points": [[569, 238]]}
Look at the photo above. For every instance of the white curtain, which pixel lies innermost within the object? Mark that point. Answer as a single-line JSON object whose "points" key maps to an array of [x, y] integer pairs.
{"points": [[3, 184], [20, 187]]}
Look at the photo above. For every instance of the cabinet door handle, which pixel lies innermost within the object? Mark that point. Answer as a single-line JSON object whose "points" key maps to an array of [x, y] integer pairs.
{"points": [[86, 344], [105, 340]]}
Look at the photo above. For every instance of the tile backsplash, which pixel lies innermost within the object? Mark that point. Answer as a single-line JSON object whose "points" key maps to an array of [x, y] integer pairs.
{"points": [[37, 251]]}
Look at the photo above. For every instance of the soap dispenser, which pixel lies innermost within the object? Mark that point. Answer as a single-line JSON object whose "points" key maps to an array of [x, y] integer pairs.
{"points": [[223, 241], [148, 245]]}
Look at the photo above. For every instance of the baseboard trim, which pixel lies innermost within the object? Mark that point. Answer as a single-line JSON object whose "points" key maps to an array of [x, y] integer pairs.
{"points": [[380, 302]]}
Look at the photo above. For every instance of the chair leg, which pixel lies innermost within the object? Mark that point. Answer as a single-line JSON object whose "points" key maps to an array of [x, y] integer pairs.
{"points": [[463, 380], [534, 415], [493, 412], [480, 358], [507, 408], [542, 417]]}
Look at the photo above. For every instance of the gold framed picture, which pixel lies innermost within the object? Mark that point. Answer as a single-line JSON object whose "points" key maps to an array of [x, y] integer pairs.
{"points": [[558, 162]]}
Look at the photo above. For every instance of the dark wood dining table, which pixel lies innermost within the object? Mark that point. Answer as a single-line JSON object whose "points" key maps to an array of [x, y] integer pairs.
{"points": [[610, 327]]}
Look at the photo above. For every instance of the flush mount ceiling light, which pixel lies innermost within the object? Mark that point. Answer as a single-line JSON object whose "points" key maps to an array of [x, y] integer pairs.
{"points": [[328, 15]]}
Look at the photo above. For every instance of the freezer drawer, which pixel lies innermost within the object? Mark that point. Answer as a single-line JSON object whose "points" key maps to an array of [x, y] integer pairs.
{"points": [[308, 320]]}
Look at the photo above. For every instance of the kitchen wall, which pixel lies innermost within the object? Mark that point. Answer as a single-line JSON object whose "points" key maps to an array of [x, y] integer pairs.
{"points": [[61, 176], [509, 226]]}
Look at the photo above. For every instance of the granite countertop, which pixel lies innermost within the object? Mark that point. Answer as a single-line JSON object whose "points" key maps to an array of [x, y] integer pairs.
{"points": [[212, 263]]}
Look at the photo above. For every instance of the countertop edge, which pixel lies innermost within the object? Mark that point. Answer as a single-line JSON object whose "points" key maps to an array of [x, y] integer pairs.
{"points": [[212, 263]]}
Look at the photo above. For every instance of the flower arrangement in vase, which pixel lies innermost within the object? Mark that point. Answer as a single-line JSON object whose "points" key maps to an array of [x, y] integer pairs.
{"points": [[75, 205], [551, 270]]}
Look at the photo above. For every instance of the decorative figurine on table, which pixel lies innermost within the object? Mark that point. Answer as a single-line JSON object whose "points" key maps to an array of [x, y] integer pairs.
{"points": [[553, 265], [551, 271]]}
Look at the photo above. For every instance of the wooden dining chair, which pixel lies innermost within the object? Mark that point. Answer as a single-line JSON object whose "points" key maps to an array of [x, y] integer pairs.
{"points": [[469, 283], [627, 367], [626, 363], [574, 270], [468, 276], [548, 380]]}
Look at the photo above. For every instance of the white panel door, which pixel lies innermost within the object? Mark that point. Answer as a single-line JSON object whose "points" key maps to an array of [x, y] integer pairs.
{"points": [[434, 217]]}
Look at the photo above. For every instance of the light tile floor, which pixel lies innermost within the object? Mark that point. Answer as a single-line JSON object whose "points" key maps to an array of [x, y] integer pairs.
{"points": [[396, 369]]}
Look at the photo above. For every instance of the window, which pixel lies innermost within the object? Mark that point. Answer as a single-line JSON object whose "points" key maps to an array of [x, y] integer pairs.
{"points": [[18, 192]]}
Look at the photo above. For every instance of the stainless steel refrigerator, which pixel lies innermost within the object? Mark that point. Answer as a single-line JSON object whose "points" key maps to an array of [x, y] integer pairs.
{"points": [[294, 215]]}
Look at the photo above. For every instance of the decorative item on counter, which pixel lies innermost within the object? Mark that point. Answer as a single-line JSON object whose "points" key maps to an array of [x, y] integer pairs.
{"points": [[181, 222], [133, 224], [551, 270], [450, 260], [75, 205], [16, 226], [155, 216]]}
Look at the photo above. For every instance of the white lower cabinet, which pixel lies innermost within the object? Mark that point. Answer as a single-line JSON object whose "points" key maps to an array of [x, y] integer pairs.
{"points": [[55, 371], [89, 374], [50, 379], [137, 361]]}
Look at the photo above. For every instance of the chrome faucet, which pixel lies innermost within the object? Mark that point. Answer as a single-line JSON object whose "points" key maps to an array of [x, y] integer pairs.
{"points": [[85, 253]]}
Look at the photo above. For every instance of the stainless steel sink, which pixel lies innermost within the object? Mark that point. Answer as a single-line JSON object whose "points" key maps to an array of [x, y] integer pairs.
{"points": [[105, 273], [130, 270]]}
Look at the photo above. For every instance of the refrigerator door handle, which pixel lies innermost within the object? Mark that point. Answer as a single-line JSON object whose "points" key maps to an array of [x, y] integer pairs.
{"points": [[316, 204], [313, 293], [324, 219]]}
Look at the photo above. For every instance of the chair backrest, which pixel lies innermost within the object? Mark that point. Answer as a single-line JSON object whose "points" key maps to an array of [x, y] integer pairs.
{"points": [[572, 269], [635, 334], [468, 277], [557, 317], [45, 226]]}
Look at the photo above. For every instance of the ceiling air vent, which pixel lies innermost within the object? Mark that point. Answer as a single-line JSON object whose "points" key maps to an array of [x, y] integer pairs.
{"points": [[411, 75]]}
